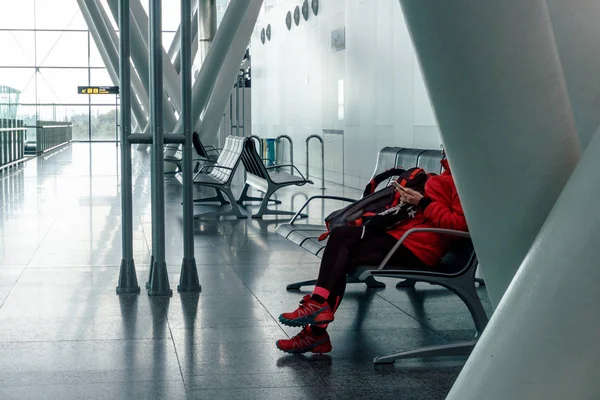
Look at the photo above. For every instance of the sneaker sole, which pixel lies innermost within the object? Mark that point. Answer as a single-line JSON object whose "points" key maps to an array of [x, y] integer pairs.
{"points": [[301, 322], [318, 349]]}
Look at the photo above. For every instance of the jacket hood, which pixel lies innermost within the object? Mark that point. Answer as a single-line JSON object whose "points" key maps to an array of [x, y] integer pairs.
{"points": [[445, 164]]}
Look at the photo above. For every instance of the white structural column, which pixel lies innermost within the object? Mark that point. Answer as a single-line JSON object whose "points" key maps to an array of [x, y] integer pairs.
{"points": [[217, 53], [206, 25], [208, 126], [577, 32], [174, 52], [498, 91], [542, 342]]}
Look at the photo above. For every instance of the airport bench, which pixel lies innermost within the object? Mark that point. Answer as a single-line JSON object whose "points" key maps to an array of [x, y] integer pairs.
{"points": [[456, 271], [204, 155], [219, 176], [267, 180], [306, 235]]}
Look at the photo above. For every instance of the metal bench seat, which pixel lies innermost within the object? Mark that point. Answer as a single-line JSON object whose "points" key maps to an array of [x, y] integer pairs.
{"points": [[266, 179], [219, 176], [456, 272], [204, 155]]}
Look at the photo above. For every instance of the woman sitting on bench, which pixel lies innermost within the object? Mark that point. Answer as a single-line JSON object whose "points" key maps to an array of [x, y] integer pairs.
{"points": [[352, 246]]}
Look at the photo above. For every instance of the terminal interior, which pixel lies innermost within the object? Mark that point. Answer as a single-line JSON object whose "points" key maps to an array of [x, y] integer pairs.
{"points": [[155, 208]]}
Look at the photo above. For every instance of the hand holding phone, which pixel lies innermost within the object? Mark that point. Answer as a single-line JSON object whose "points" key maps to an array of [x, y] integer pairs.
{"points": [[408, 196], [398, 187]]}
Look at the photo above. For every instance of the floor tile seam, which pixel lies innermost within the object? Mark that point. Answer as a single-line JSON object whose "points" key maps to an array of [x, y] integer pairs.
{"points": [[139, 217], [55, 218], [410, 316], [91, 382], [287, 385], [86, 340], [166, 315]]}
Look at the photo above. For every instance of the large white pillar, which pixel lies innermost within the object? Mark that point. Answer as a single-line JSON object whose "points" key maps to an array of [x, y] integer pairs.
{"points": [[576, 25], [542, 342], [497, 88]]}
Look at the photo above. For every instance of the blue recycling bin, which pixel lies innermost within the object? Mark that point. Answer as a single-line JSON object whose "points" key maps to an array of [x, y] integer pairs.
{"points": [[269, 153]]}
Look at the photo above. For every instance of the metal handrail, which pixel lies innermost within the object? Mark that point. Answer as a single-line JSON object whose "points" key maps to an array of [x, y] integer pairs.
{"points": [[308, 139], [277, 139]]}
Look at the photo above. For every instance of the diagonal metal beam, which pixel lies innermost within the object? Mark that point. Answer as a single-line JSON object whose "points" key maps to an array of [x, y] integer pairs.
{"points": [[209, 124], [175, 48], [209, 72], [139, 54], [172, 84], [110, 58]]}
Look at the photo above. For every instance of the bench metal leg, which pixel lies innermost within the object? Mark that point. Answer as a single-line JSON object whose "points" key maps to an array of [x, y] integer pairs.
{"points": [[444, 350], [298, 285], [234, 210], [406, 283], [244, 197], [216, 198], [371, 283], [264, 209]]}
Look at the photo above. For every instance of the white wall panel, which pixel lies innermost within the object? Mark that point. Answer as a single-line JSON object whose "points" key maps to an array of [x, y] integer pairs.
{"points": [[295, 85]]}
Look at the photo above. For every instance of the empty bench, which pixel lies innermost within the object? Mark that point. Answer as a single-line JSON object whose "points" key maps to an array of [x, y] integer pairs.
{"points": [[219, 176], [267, 180], [204, 154]]}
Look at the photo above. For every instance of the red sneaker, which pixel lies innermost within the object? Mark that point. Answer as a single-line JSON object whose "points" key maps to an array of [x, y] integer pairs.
{"points": [[304, 342], [309, 313]]}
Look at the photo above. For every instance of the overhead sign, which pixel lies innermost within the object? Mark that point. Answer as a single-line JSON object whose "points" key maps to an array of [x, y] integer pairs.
{"points": [[98, 89]]}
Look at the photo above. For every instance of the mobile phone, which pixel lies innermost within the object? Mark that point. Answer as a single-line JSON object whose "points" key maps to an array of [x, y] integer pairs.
{"points": [[398, 186]]}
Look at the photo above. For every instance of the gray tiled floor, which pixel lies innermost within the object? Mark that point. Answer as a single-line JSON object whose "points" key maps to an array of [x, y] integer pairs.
{"points": [[65, 334]]}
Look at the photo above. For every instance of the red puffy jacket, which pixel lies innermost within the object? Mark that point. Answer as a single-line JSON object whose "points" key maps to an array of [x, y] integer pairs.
{"points": [[443, 210]]}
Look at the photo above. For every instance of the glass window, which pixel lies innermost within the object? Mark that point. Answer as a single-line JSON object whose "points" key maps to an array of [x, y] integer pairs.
{"points": [[22, 79], [57, 14], [50, 37], [62, 49], [100, 77], [17, 14], [60, 85], [79, 116], [16, 48], [95, 58], [104, 123]]}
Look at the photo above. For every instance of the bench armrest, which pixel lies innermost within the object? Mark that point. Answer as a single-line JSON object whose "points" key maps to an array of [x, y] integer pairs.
{"points": [[198, 158], [299, 212], [200, 171], [287, 165], [451, 232]]}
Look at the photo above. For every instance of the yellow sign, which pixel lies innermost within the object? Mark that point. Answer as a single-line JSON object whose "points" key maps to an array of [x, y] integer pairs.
{"points": [[98, 89]]}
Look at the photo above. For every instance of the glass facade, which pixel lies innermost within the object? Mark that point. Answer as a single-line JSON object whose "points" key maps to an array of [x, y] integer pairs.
{"points": [[46, 51]]}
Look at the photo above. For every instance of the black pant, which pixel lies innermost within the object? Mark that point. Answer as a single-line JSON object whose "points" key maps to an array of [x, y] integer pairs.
{"points": [[352, 246]]}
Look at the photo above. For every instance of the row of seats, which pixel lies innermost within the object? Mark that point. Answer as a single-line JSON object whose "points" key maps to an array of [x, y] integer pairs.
{"points": [[456, 270]]}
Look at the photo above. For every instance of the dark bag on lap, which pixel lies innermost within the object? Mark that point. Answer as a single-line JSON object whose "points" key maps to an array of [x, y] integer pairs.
{"points": [[381, 209]]}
